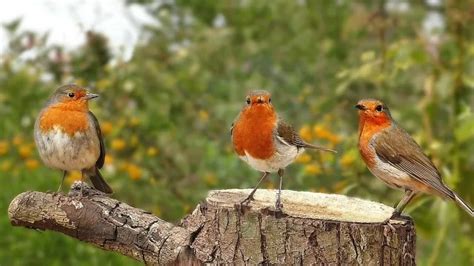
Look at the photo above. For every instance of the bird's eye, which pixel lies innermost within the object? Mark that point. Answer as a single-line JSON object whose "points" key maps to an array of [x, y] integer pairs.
{"points": [[269, 100], [248, 100], [379, 108], [71, 94]]}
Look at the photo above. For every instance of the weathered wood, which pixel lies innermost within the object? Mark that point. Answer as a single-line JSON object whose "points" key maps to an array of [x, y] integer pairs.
{"points": [[314, 228]]}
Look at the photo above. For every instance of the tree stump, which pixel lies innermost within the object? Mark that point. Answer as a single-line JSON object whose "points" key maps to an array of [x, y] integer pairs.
{"points": [[313, 228]]}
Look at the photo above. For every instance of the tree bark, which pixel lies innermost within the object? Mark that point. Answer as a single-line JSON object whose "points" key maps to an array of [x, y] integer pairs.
{"points": [[313, 228]]}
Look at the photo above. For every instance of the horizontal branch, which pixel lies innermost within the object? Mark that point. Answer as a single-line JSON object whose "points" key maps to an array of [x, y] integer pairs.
{"points": [[105, 222]]}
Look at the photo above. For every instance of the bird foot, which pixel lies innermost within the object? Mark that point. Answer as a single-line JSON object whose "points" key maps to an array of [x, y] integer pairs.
{"points": [[397, 216], [247, 200]]}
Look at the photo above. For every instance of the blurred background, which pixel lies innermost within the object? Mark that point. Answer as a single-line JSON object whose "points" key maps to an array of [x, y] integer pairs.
{"points": [[172, 76]]}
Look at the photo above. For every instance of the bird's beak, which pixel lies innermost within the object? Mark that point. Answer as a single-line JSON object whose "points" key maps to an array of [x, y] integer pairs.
{"points": [[360, 107], [90, 96]]}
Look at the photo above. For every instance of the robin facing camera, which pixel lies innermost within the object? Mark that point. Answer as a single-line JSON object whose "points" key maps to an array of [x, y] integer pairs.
{"points": [[68, 135], [264, 141]]}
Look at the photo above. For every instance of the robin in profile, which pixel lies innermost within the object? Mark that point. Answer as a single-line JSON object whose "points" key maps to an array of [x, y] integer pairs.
{"points": [[68, 135], [264, 141], [394, 157]]}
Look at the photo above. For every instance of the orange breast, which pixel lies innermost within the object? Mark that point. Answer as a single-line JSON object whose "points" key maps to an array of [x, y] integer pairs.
{"points": [[253, 132], [69, 120], [366, 131]]}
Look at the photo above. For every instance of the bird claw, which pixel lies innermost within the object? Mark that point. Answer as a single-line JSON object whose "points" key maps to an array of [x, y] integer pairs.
{"points": [[396, 216], [246, 201]]}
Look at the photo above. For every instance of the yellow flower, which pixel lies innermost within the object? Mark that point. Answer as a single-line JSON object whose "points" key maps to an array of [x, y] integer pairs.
{"points": [[73, 176], [210, 179], [305, 133], [106, 127], [312, 169], [108, 159], [334, 139], [152, 151], [5, 166], [203, 115], [31, 164], [17, 140], [303, 158], [4, 147], [134, 121], [118, 144], [133, 171], [322, 132], [347, 160], [25, 151]]}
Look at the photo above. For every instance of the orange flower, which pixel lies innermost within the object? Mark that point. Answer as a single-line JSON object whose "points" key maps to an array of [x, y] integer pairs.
{"points": [[118, 144], [108, 159], [17, 140], [106, 127], [312, 169], [133, 171], [305, 133], [25, 151], [32, 164], [73, 176], [303, 158], [4, 147]]}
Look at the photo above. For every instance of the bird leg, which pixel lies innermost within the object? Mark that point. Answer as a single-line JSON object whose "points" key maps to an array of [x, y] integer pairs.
{"points": [[62, 181], [250, 197], [409, 194], [278, 204]]}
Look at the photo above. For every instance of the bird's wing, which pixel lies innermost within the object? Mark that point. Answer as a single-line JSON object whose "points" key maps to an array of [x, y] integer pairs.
{"points": [[396, 147], [288, 135], [100, 161]]}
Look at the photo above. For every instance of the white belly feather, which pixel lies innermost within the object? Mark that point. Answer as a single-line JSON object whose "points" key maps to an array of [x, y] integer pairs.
{"points": [[390, 175], [62, 151], [285, 154]]}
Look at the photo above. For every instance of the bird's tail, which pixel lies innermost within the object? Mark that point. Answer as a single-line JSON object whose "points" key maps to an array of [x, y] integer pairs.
{"points": [[463, 205], [97, 180], [311, 146]]}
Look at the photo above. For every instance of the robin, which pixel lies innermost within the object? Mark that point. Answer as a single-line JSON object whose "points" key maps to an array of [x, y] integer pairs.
{"points": [[394, 157], [264, 141], [68, 135]]}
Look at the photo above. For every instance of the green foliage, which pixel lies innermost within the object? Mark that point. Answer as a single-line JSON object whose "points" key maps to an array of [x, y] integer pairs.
{"points": [[166, 113]]}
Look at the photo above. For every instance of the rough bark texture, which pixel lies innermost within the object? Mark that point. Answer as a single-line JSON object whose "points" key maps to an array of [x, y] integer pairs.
{"points": [[313, 228]]}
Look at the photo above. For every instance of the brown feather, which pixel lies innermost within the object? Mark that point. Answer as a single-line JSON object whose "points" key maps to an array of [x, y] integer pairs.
{"points": [[290, 136], [394, 146]]}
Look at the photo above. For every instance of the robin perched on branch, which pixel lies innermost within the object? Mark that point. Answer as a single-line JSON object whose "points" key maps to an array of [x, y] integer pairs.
{"points": [[68, 135], [264, 141], [394, 157]]}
